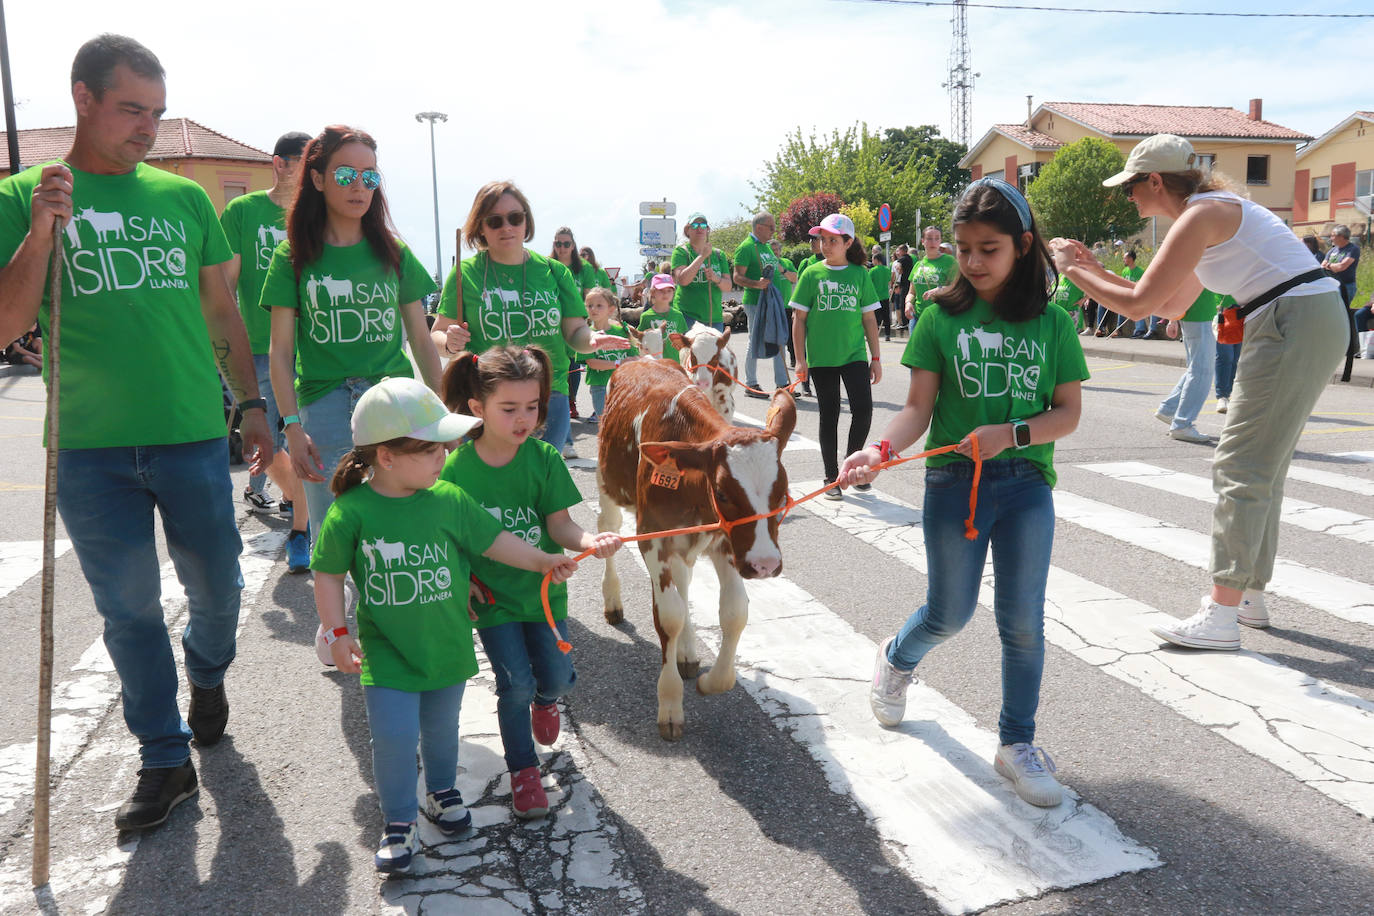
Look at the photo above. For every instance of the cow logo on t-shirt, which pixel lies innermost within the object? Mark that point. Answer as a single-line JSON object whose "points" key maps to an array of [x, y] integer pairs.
{"points": [[130, 251], [994, 364], [836, 296], [523, 522], [505, 314], [400, 573], [341, 311], [269, 237]]}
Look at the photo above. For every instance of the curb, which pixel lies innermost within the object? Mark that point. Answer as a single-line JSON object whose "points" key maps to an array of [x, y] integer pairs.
{"points": [[1170, 353]]}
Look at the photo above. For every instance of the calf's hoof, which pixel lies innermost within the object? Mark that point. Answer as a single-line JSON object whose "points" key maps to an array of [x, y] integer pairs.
{"points": [[670, 731], [615, 615], [716, 681], [688, 669]]}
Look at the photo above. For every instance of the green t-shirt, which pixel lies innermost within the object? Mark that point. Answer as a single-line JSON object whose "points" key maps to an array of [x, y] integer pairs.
{"points": [[881, 277], [1224, 303], [587, 278], [699, 300], [1065, 294], [521, 496], [1204, 307], [410, 558], [669, 321], [516, 304], [1133, 273], [255, 226], [994, 371], [785, 285], [928, 274], [754, 256], [834, 299], [348, 314], [599, 377], [807, 262], [137, 366]]}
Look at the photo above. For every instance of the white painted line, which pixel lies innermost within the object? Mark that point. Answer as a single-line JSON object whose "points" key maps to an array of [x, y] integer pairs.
{"points": [[1296, 512], [1343, 482], [1366, 457], [957, 828], [1320, 734], [797, 443], [20, 561], [1336, 595]]}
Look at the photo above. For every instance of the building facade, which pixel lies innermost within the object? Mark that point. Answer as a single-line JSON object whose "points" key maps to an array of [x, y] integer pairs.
{"points": [[1334, 182]]}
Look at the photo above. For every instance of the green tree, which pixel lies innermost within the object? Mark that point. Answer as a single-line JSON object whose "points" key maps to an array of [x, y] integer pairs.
{"points": [[904, 145], [865, 220], [727, 234], [857, 165], [1069, 200]]}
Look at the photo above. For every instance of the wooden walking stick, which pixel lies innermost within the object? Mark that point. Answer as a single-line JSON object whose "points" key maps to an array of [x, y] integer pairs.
{"points": [[41, 789]]}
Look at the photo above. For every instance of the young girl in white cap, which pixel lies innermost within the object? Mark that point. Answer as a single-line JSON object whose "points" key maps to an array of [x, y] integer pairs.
{"points": [[408, 542]]}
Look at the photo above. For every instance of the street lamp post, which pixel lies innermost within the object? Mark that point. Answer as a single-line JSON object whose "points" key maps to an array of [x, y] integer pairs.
{"points": [[431, 117]]}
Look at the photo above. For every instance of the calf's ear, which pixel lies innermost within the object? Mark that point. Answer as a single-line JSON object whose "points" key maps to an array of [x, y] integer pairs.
{"points": [[684, 454], [782, 417], [679, 341], [724, 337]]}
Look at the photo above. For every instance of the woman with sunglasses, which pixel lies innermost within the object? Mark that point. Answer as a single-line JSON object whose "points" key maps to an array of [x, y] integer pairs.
{"points": [[1294, 333], [340, 289], [702, 273], [511, 295], [566, 252], [603, 279]]}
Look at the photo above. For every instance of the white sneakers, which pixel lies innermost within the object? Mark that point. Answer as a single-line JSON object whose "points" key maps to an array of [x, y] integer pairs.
{"points": [[1031, 771], [1164, 418], [1190, 433], [1212, 627], [1252, 611], [887, 693], [1223, 404]]}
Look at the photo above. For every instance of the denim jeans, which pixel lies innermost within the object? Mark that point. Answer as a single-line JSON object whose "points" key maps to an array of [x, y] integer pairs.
{"points": [[1185, 402], [1146, 326], [598, 399], [751, 368], [558, 425], [529, 669], [107, 497], [1227, 357], [1016, 515], [399, 720], [260, 366], [328, 422]]}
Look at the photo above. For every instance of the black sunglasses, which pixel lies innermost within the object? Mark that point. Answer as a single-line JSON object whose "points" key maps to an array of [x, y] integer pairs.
{"points": [[515, 218], [1128, 186]]}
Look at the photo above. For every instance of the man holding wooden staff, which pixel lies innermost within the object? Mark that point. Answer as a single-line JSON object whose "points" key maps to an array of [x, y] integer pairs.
{"points": [[147, 318]]}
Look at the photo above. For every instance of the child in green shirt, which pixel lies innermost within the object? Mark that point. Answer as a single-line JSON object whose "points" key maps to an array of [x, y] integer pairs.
{"points": [[661, 315], [601, 305], [992, 363], [408, 543]]}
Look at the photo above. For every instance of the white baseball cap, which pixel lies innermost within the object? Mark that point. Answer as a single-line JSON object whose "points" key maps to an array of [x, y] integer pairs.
{"points": [[1160, 153], [397, 407], [837, 223]]}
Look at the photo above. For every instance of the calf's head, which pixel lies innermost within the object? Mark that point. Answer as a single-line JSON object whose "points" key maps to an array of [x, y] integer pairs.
{"points": [[702, 351]]}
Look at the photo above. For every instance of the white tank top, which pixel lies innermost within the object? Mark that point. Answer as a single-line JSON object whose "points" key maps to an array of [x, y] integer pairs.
{"points": [[1262, 254]]}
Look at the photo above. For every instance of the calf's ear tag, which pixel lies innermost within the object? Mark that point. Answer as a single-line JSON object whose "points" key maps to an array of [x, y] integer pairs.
{"points": [[768, 417], [666, 475]]}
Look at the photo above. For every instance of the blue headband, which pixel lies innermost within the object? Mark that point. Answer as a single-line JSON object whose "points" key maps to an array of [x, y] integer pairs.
{"points": [[1013, 196]]}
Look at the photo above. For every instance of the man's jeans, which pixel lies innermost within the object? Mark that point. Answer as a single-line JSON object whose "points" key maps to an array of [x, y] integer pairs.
{"points": [[1185, 402], [751, 368], [106, 497]]}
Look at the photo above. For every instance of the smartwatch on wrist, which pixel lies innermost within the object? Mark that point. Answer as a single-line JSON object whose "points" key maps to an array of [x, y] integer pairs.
{"points": [[287, 421], [253, 404], [1020, 433]]}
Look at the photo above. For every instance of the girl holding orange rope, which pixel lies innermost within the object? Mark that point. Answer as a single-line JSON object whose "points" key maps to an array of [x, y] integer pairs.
{"points": [[994, 362], [524, 482]]}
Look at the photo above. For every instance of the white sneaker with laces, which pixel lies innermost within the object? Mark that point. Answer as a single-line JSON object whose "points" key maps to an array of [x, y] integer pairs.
{"points": [[1190, 433], [1164, 418], [322, 648], [1031, 771], [887, 694], [1214, 626], [1223, 404], [1252, 611]]}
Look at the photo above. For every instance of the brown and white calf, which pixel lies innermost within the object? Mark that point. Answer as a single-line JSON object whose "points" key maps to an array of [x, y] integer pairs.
{"points": [[702, 351], [670, 456]]}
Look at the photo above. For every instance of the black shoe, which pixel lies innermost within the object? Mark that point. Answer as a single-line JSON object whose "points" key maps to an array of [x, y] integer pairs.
{"points": [[863, 487], [160, 789], [756, 394], [257, 502], [285, 507], [208, 715]]}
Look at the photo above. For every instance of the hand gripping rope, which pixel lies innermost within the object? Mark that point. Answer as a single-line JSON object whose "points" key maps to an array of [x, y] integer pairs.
{"points": [[724, 525]]}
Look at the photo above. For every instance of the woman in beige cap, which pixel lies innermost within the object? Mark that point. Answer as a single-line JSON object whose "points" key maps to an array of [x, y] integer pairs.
{"points": [[1295, 332]]}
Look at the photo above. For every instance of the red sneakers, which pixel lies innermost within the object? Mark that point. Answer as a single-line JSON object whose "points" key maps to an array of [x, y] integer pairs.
{"points": [[544, 723], [527, 796]]}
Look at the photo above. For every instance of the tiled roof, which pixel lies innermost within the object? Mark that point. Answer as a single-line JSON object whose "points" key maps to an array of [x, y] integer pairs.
{"points": [[177, 138], [1032, 138], [1185, 120]]}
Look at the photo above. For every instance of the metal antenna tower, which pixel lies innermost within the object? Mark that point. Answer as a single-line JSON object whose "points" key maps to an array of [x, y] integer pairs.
{"points": [[961, 77]]}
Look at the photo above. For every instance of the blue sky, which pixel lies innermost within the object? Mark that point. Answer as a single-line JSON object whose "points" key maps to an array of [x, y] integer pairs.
{"points": [[592, 107]]}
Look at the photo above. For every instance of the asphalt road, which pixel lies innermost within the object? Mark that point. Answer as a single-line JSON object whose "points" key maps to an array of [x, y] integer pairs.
{"points": [[1235, 783]]}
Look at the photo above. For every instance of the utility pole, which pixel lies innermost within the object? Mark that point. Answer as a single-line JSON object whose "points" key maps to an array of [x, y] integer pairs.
{"points": [[431, 117], [11, 131], [961, 77]]}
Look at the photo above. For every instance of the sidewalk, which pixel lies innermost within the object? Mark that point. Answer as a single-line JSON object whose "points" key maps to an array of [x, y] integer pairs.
{"points": [[1170, 353]]}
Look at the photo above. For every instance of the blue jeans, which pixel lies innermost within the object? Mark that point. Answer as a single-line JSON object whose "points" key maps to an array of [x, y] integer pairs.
{"points": [[107, 497], [1185, 402], [529, 669], [1146, 326], [598, 399], [558, 425], [400, 720], [751, 368], [1016, 515], [1227, 356], [260, 366], [328, 421]]}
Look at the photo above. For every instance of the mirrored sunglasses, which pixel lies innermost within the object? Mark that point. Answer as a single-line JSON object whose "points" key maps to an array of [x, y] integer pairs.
{"points": [[345, 175]]}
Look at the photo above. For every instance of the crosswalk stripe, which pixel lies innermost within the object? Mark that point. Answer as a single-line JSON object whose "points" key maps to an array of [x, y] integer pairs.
{"points": [[957, 827], [20, 561], [1336, 595], [1297, 512], [1320, 734], [1365, 457], [797, 443], [1344, 482]]}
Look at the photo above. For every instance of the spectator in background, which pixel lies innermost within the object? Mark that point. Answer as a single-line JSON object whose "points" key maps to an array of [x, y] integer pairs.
{"points": [[813, 258], [1341, 260], [1228, 355], [27, 350], [1184, 403], [902, 266], [1145, 327], [934, 270], [566, 252], [702, 274], [752, 258], [1314, 245], [880, 275]]}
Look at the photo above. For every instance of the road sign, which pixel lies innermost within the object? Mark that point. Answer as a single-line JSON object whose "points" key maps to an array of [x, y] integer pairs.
{"points": [[884, 236], [655, 252], [612, 272], [656, 232], [884, 218], [658, 208]]}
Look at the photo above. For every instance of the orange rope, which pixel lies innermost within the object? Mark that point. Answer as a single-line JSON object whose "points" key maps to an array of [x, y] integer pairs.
{"points": [[724, 525]]}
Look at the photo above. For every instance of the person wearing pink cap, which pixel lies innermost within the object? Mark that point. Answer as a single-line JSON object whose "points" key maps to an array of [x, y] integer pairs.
{"points": [[835, 334], [662, 315]]}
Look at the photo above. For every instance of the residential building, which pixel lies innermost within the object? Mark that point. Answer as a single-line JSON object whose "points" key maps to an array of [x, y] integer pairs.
{"points": [[221, 165], [1334, 182]]}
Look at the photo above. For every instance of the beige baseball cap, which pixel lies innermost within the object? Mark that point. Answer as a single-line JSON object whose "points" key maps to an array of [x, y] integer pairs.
{"points": [[1160, 153], [396, 407]]}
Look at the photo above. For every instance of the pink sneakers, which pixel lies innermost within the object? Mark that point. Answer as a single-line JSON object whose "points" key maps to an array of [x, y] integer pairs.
{"points": [[544, 723], [527, 796]]}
